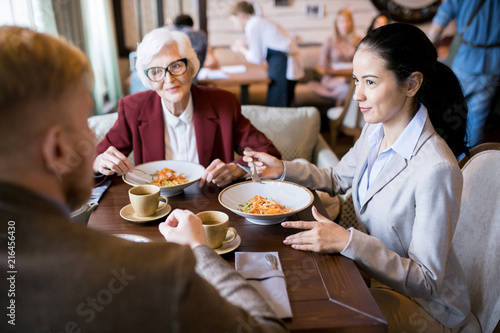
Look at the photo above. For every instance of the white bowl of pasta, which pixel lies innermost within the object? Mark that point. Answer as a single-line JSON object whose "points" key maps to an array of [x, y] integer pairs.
{"points": [[173, 176], [267, 202]]}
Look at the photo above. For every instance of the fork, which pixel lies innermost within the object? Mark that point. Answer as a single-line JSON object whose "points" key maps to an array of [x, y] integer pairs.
{"points": [[148, 174], [254, 174]]}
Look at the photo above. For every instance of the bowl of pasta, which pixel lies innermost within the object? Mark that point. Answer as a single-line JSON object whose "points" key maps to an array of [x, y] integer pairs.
{"points": [[267, 202], [171, 176]]}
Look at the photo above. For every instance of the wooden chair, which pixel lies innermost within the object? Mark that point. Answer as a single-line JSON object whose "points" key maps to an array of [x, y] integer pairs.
{"points": [[345, 119], [478, 231]]}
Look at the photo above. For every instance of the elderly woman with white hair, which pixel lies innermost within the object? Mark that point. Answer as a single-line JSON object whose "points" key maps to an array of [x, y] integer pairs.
{"points": [[177, 120]]}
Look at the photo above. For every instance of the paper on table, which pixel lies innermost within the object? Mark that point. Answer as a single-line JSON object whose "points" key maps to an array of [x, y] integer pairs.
{"points": [[205, 73], [234, 69], [270, 284], [217, 74], [341, 65]]}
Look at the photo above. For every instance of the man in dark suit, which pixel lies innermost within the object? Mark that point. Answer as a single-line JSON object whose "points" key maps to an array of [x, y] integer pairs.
{"points": [[57, 276]]}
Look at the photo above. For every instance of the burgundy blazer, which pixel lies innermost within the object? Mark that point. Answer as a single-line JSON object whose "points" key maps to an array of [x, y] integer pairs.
{"points": [[220, 128]]}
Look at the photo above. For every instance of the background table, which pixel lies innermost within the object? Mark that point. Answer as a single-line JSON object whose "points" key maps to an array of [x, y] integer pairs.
{"points": [[254, 74], [327, 292]]}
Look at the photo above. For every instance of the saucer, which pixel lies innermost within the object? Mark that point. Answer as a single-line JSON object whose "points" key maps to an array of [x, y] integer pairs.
{"points": [[230, 246], [133, 238], [129, 214]]}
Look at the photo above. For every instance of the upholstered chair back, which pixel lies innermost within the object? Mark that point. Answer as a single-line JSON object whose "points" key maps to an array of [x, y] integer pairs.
{"points": [[101, 125], [477, 238], [294, 131]]}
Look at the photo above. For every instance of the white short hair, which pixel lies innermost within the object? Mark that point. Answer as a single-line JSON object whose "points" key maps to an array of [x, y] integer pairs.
{"points": [[154, 41]]}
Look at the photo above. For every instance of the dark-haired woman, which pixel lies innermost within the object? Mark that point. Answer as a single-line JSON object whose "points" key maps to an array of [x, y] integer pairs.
{"points": [[405, 181]]}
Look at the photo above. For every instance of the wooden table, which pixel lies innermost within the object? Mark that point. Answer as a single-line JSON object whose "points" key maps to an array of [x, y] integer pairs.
{"points": [[327, 292], [254, 74]]}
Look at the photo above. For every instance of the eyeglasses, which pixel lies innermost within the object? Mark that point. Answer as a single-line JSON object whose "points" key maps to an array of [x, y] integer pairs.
{"points": [[176, 68]]}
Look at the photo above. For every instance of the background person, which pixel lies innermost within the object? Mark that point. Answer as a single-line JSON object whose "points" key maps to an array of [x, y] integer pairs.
{"points": [[405, 181], [177, 120], [336, 51], [198, 38], [268, 41], [377, 22], [70, 278], [477, 61]]}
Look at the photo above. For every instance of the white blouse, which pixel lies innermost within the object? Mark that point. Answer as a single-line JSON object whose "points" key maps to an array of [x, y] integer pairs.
{"points": [[180, 138]]}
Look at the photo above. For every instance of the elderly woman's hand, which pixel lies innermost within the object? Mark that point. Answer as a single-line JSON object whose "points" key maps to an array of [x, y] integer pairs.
{"points": [[112, 161], [221, 173]]}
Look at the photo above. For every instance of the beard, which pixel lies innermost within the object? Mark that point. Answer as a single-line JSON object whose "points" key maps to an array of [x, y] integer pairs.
{"points": [[77, 184]]}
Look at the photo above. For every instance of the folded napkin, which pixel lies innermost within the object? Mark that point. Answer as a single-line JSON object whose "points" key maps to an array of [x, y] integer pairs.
{"points": [[270, 284], [213, 74], [234, 69], [98, 191]]}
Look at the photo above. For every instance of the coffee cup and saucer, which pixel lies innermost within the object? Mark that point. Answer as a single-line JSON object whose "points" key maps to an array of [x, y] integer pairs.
{"points": [[220, 236], [146, 204]]}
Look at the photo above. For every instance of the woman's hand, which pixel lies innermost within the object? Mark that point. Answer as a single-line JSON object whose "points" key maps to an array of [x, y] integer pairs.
{"points": [[221, 174], [322, 235], [239, 46], [183, 227], [112, 161], [268, 166]]}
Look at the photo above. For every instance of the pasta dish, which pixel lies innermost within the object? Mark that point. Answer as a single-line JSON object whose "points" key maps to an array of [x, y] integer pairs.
{"points": [[168, 177], [261, 205]]}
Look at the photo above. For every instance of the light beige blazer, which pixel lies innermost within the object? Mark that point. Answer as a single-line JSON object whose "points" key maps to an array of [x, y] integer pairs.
{"points": [[407, 221]]}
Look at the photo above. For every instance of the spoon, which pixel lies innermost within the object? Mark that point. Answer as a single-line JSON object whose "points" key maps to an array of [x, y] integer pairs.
{"points": [[272, 262], [149, 174]]}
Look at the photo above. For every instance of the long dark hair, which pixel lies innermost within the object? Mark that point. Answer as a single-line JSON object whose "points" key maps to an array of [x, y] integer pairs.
{"points": [[406, 49]]}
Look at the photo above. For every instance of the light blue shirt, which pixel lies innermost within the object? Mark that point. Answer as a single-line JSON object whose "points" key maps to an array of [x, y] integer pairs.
{"points": [[484, 30], [404, 146]]}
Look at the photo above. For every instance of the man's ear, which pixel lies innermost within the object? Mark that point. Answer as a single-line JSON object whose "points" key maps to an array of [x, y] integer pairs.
{"points": [[414, 82], [53, 151]]}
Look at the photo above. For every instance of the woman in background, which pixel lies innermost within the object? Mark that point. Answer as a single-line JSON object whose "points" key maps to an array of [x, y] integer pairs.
{"points": [[377, 22], [336, 54], [267, 41]]}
